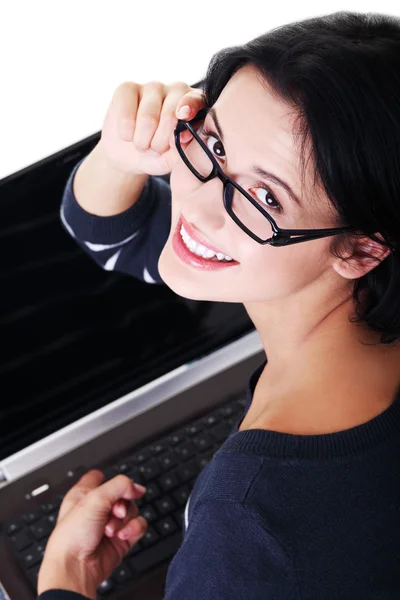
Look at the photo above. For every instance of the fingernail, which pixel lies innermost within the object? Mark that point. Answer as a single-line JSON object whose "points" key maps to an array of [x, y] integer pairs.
{"points": [[124, 533], [141, 488], [109, 530], [184, 112]]}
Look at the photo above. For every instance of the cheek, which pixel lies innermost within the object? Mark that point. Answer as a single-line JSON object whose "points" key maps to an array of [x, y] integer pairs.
{"points": [[180, 182], [282, 271]]}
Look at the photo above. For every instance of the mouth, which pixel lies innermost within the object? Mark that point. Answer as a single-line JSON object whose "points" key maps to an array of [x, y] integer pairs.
{"points": [[197, 255], [196, 242]]}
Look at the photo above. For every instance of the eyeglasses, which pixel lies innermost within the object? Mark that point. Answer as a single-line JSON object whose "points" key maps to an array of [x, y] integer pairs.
{"points": [[246, 211]]}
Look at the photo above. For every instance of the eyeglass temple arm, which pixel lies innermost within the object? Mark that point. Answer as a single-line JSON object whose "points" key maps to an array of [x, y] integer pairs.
{"points": [[282, 239]]}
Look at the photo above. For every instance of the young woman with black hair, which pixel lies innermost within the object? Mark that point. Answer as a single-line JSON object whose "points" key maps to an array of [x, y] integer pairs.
{"points": [[284, 195]]}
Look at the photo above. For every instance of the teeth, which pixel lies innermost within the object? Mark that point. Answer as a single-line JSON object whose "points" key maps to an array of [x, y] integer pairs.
{"points": [[199, 249]]}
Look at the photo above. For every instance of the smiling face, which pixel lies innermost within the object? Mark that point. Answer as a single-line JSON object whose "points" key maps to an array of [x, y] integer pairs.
{"points": [[257, 129]]}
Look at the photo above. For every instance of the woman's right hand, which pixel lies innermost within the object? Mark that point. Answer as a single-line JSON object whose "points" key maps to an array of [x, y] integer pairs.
{"points": [[138, 130]]}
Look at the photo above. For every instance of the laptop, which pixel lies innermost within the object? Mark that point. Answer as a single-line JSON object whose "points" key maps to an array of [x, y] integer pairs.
{"points": [[99, 369]]}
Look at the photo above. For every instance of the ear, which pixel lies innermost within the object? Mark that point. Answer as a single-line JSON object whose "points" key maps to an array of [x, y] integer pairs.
{"points": [[354, 268]]}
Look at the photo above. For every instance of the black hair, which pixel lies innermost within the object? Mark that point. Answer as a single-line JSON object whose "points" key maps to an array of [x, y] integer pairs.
{"points": [[341, 74]]}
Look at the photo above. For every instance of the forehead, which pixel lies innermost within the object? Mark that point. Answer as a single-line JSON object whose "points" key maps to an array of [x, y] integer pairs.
{"points": [[248, 111]]}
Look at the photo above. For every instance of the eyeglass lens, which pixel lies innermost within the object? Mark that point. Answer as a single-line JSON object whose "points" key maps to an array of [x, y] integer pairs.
{"points": [[243, 209]]}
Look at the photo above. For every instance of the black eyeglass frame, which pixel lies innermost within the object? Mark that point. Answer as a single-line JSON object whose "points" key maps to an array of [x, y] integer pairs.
{"points": [[281, 237]]}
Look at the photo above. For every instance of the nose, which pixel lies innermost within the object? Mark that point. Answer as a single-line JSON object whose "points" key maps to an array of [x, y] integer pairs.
{"points": [[204, 209]]}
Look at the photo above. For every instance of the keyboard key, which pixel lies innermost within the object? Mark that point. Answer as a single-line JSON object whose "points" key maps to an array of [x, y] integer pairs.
{"points": [[211, 420], [140, 502], [179, 516], [160, 552], [135, 549], [241, 402], [40, 547], [221, 431], [168, 481], [122, 573], [51, 519], [149, 513], [31, 558], [135, 475], [149, 470], [153, 492], [192, 429], [140, 457], [181, 496], [123, 467], [203, 441], [21, 540], [158, 448], [186, 450], [165, 505], [13, 526], [105, 587], [48, 507], [32, 516], [41, 529], [168, 460], [165, 526], [227, 410], [188, 470], [150, 537], [177, 437]]}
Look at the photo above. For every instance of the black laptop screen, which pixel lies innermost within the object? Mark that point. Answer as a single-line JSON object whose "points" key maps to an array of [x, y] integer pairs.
{"points": [[73, 336]]}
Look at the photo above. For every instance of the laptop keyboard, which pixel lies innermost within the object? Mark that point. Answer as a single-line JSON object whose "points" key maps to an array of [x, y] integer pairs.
{"points": [[168, 468]]}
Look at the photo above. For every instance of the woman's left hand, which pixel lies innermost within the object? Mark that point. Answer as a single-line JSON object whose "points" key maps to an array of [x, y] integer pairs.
{"points": [[88, 541]]}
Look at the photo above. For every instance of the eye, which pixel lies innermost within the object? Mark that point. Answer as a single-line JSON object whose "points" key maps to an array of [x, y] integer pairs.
{"points": [[267, 199], [216, 147], [217, 150]]}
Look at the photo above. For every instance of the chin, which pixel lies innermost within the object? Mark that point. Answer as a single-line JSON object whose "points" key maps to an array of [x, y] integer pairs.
{"points": [[178, 279], [181, 286]]}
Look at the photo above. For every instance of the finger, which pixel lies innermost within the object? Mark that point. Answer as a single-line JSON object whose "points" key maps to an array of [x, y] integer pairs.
{"points": [[115, 524], [117, 488], [119, 511], [120, 508], [167, 122], [148, 113], [133, 530], [124, 104], [89, 481], [195, 100]]}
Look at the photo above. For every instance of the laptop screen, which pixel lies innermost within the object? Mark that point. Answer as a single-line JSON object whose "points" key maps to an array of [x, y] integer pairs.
{"points": [[73, 336]]}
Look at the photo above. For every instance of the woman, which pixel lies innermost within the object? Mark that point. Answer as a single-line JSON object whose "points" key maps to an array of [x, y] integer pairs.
{"points": [[303, 500]]}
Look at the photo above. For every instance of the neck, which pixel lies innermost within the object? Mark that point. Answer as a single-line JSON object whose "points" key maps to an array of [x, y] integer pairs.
{"points": [[339, 371]]}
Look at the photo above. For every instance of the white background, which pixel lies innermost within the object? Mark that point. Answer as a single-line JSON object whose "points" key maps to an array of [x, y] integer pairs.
{"points": [[60, 62]]}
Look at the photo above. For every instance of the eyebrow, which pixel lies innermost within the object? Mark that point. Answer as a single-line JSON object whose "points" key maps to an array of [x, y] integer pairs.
{"points": [[255, 168]]}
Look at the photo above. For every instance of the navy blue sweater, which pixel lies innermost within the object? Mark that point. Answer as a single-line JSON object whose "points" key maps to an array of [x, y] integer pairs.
{"points": [[273, 516]]}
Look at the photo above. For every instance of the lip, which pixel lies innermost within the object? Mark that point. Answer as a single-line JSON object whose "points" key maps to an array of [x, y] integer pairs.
{"points": [[197, 237], [192, 259]]}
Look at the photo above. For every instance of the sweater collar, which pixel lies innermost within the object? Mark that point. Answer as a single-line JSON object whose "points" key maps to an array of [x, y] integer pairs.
{"points": [[275, 444]]}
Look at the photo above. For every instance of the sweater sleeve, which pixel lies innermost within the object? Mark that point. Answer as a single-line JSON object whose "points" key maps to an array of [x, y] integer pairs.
{"points": [[130, 242], [226, 553]]}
